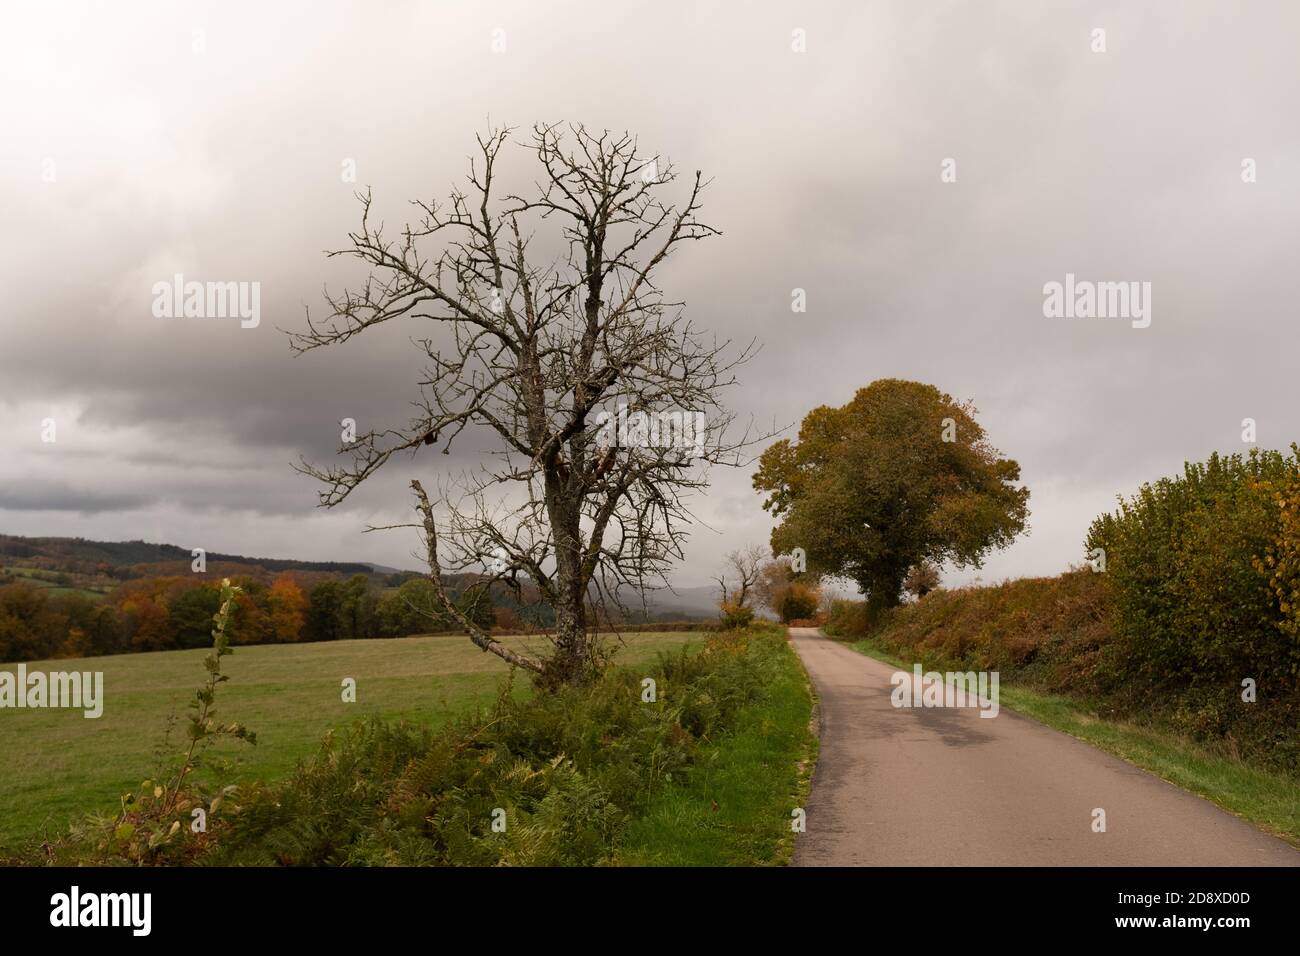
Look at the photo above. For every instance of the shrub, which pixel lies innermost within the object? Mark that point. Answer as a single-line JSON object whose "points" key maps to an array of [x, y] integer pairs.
{"points": [[1197, 603], [797, 601], [848, 618], [1281, 563], [735, 616]]}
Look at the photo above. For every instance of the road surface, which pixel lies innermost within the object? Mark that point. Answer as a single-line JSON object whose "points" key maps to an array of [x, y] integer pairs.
{"points": [[946, 787]]}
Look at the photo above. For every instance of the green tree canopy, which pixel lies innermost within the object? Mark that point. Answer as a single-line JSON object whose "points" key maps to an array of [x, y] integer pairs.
{"points": [[901, 475], [356, 608], [414, 608], [191, 615], [323, 610]]}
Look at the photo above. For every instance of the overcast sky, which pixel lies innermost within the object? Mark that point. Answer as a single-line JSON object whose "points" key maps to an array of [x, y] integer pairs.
{"points": [[140, 141]]}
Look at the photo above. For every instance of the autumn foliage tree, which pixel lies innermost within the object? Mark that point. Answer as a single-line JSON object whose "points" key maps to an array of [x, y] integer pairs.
{"points": [[797, 600], [789, 594], [922, 579], [901, 475], [286, 609], [143, 610]]}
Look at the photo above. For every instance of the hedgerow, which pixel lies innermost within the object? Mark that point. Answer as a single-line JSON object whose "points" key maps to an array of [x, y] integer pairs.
{"points": [[1197, 608], [1195, 602]]}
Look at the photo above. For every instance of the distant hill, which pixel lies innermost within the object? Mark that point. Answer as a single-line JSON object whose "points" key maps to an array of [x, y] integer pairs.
{"points": [[101, 565], [82, 554], [679, 603]]}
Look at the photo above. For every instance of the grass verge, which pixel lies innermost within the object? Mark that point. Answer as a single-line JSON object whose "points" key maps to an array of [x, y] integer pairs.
{"points": [[734, 809]]}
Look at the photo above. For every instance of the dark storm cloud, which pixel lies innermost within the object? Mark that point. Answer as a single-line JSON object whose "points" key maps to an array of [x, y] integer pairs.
{"points": [[225, 164]]}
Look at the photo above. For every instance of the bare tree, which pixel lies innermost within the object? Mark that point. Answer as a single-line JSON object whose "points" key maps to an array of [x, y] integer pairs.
{"points": [[745, 565], [604, 401]]}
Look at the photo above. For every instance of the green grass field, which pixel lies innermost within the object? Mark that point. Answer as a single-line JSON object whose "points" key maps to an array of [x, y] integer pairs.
{"points": [[95, 589], [59, 765]]}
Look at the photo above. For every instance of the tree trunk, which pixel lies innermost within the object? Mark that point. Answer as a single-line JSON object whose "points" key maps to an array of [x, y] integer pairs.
{"points": [[570, 664], [882, 591]]}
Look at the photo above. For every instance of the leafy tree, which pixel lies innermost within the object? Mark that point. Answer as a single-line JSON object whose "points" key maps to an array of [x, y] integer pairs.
{"points": [[191, 615], [507, 618], [77, 644], [101, 624], [475, 604], [391, 615], [251, 620], [776, 579], [356, 609], [900, 475], [142, 609], [797, 601], [1281, 563], [94, 619], [24, 622], [286, 609], [772, 576], [323, 611], [414, 608]]}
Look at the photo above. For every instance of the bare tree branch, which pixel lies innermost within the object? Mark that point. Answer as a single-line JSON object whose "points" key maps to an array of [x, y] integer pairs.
{"points": [[604, 400]]}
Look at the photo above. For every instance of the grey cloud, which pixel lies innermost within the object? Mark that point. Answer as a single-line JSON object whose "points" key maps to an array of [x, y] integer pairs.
{"points": [[76, 501], [1122, 165]]}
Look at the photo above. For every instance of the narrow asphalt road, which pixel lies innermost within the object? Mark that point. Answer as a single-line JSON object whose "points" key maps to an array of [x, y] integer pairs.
{"points": [[946, 787]]}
